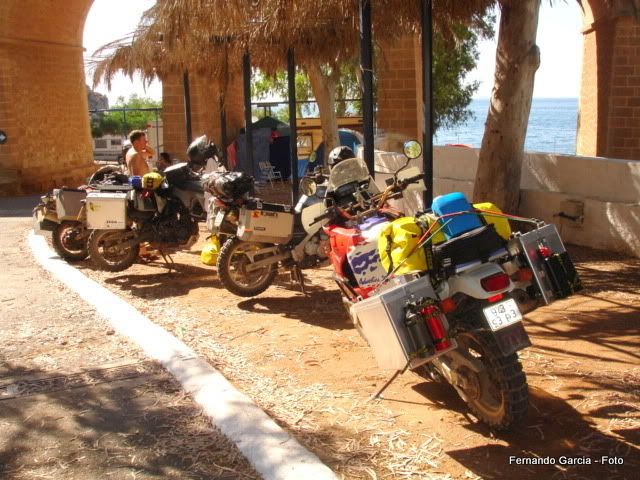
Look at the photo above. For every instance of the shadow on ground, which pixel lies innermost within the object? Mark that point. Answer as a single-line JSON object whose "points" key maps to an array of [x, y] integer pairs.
{"points": [[553, 429], [140, 427]]}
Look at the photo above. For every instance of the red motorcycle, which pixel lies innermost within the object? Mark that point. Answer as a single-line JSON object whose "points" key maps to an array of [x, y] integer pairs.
{"points": [[454, 314]]}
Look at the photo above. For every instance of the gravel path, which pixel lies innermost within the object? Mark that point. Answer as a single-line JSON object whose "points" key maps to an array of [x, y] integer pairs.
{"points": [[78, 402]]}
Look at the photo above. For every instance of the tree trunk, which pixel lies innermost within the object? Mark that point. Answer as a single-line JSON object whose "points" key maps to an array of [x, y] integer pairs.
{"points": [[324, 91], [502, 151]]}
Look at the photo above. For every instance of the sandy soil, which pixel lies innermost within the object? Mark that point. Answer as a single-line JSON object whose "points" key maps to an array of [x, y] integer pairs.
{"points": [[302, 361]]}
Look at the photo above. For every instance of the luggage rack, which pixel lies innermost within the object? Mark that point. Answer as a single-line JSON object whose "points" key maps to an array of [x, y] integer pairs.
{"points": [[114, 188]]}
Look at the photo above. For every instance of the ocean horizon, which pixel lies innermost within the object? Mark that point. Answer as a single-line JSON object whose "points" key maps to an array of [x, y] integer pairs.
{"points": [[552, 126]]}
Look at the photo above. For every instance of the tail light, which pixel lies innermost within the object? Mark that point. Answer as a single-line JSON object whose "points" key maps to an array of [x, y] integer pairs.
{"points": [[436, 328], [146, 193], [496, 282], [495, 298]]}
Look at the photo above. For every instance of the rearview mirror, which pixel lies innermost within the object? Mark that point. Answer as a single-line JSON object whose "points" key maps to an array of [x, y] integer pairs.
{"points": [[412, 149]]}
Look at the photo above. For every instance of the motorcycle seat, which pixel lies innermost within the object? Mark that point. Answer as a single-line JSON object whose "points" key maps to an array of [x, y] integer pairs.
{"points": [[191, 186], [478, 245]]}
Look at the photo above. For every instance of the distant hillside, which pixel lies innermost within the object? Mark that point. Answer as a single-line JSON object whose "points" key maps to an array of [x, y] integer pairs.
{"points": [[97, 101]]}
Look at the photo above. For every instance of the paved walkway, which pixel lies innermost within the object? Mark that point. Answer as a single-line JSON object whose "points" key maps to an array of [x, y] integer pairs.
{"points": [[79, 402]]}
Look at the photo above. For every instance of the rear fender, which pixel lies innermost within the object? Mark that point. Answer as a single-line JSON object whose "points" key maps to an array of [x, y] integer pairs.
{"points": [[468, 282]]}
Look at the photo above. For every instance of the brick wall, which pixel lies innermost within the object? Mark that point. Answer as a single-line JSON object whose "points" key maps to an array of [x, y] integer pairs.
{"points": [[205, 111], [398, 98], [623, 126], [609, 112]]}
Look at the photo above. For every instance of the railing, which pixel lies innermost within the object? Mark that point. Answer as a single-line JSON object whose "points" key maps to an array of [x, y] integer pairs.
{"points": [[351, 107]]}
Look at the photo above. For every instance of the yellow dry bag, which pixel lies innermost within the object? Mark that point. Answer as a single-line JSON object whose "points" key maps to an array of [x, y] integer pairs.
{"points": [[397, 242], [209, 254], [500, 223]]}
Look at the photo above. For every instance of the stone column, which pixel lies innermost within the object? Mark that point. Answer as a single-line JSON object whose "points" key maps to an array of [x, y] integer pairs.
{"points": [[43, 99], [397, 71], [205, 111]]}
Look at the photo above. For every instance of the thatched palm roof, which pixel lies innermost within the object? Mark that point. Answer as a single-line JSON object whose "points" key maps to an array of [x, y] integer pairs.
{"points": [[209, 36]]}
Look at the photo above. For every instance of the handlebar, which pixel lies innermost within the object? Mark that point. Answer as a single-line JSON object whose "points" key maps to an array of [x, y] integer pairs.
{"points": [[328, 214], [414, 179]]}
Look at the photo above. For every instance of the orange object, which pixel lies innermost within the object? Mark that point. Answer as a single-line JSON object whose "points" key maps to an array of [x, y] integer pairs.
{"points": [[524, 275], [448, 305]]}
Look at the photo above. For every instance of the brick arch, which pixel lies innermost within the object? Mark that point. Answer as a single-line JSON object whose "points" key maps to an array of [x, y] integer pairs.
{"points": [[43, 102], [609, 112]]}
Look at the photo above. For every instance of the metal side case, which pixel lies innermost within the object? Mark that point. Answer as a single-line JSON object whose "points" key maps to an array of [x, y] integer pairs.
{"points": [[552, 267], [383, 323], [106, 211]]}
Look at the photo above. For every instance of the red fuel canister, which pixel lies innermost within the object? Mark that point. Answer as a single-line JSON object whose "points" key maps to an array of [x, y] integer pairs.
{"points": [[433, 319]]}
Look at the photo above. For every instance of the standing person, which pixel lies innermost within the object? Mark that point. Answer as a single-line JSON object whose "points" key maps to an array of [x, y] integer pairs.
{"points": [[138, 154]]}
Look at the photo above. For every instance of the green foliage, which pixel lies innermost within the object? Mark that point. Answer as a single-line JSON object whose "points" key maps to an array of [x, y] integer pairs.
{"points": [[114, 122], [453, 59], [264, 87]]}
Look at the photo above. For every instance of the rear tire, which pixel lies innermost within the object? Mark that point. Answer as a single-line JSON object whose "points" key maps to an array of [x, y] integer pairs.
{"points": [[499, 395], [105, 253], [65, 241], [231, 263]]}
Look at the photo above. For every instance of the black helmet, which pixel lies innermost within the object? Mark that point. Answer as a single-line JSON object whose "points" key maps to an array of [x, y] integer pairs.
{"points": [[338, 154], [201, 150]]}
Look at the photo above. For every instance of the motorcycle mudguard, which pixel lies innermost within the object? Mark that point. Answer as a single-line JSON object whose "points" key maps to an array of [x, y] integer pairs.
{"points": [[43, 225], [511, 339]]}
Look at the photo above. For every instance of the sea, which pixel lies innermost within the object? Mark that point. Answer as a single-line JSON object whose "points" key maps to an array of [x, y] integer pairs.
{"points": [[552, 126]]}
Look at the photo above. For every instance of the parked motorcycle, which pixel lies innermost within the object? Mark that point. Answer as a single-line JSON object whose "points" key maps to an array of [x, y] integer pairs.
{"points": [[268, 237], [162, 210], [62, 212], [440, 299]]}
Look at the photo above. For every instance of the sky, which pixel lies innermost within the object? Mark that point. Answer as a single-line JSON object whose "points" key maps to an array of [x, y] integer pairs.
{"points": [[559, 40]]}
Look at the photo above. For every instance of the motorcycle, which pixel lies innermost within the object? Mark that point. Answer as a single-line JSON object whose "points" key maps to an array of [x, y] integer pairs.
{"points": [[161, 209], [446, 309], [266, 237], [62, 213]]}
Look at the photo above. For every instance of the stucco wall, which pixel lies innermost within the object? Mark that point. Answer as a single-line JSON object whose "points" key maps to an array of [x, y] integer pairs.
{"points": [[607, 189]]}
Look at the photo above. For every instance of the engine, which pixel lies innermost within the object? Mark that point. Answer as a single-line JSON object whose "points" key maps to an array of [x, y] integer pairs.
{"points": [[177, 228], [316, 250]]}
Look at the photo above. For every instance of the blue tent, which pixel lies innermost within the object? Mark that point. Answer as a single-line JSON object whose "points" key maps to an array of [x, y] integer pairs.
{"points": [[348, 138]]}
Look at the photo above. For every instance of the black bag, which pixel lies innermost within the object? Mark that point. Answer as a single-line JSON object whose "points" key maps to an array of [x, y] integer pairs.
{"points": [[177, 174], [229, 185], [478, 244]]}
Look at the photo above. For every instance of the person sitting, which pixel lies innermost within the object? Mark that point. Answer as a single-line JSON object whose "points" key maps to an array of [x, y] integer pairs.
{"points": [[139, 153]]}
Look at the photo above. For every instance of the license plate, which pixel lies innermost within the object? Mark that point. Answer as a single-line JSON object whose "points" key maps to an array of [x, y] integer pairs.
{"points": [[503, 314], [219, 218]]}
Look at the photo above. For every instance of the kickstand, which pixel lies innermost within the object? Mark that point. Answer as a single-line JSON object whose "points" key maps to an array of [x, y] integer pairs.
{"points": [[378, 394], [168, 260], [297, 276]]}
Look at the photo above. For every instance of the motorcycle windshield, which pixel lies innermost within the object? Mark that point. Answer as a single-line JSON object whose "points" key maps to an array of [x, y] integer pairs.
{"points": [[347, 171]]}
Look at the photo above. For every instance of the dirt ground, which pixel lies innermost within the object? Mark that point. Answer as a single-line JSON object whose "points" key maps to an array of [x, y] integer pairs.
{"points": [[79, 402], [302, 361]]}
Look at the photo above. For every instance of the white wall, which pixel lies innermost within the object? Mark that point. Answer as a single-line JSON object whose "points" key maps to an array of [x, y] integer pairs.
{"points": [[608, 189]]}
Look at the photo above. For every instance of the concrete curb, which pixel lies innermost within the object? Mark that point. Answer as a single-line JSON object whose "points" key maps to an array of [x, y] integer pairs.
{"points": [[271, 451]]}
